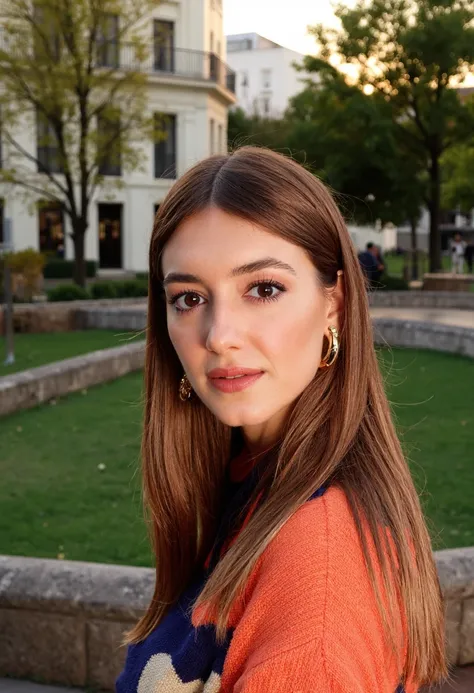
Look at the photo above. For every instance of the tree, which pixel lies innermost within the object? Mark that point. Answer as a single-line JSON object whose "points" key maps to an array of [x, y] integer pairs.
{"points": [[457, 166], [410, 52], [256, 130], [74, 73]]}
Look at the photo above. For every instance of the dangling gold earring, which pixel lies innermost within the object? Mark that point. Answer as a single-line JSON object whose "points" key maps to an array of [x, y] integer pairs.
{"points": [[185, 389], [333, 349]]}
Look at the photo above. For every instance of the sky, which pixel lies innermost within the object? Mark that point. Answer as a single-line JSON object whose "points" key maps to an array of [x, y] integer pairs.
{"points": [[287, 25]]}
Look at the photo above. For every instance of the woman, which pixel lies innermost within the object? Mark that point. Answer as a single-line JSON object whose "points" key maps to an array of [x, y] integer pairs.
{"points": [[291, 550]]}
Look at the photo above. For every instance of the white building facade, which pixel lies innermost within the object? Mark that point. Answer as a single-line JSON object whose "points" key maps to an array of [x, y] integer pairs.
{"points": [[266, 78], [190, 83]]}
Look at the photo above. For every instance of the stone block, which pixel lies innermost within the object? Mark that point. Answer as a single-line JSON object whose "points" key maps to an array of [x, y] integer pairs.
{"points": [[466, 651], [453, 615], [105, 652], [38, 385], [46, 646]]}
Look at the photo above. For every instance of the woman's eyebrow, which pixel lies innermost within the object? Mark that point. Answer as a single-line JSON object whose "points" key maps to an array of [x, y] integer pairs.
{"points": [[264, 263], [248, 268]]}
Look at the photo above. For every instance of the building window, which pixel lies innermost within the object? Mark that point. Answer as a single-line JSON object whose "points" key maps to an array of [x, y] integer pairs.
{"points": [[110, 156], [110, 236], [46, 38], [265, 101], [108, 41], [219, 139], [51, 229], [48, 154], [163, 45], [211, 135], [165, 150], [266, 79]]}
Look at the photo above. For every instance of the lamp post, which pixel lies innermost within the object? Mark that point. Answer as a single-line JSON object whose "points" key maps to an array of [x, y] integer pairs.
{"points": [[8, 298]]}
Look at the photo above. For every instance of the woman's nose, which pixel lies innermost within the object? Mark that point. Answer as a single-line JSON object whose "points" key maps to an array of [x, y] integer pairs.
{"points": [[223, 332]]}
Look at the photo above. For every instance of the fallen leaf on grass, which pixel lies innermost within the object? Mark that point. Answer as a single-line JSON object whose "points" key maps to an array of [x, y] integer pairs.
{"points": [[101, 467], [19, 429]]}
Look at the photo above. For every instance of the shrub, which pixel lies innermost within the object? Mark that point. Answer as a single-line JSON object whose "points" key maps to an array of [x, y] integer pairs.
{"points": [[68, 292], [26, 267], [141, 275], [133, 288], [388, 283], [64, 269], [104, 290]]}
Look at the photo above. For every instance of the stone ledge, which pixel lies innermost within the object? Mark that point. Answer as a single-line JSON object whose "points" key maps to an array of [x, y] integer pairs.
{"points": [[461, 300], [29, 388], [45, 602], [112, 318], [59, 316], [424, 335]]}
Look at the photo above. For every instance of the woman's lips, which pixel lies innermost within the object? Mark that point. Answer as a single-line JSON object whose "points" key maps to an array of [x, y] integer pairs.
{"points": [[233, 379]]}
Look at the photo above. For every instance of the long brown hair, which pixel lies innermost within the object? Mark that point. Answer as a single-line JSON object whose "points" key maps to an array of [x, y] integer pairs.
{"points": [[340, 429]]}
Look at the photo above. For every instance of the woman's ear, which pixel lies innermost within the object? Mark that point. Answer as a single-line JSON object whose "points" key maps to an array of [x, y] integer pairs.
{"points": [[336, 302]]}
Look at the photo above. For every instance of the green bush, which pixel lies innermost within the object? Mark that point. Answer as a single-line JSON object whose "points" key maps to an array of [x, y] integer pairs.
{"points": [[64, 269], [133, 288], [68, 292], [104, 290], [141, 275], [388, 283]]}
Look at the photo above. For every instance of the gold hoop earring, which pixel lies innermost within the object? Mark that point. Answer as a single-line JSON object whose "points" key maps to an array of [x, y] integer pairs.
{"points": [[333, 349], [185, 389]]}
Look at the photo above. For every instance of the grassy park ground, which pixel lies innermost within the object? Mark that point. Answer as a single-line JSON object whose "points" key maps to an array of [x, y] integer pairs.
{"points": [[70, 486], [32, 350]]}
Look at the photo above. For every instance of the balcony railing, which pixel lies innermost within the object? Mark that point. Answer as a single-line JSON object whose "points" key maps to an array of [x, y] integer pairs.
{"points": [[164, 60], [181, 62], [159, 60]]}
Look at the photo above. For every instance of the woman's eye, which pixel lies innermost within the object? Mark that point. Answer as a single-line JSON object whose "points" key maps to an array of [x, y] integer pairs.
{"points": [[187, 301], [265, 290]]}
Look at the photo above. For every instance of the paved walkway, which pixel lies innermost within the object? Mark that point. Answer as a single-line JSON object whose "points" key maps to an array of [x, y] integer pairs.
{"points": [[461, 318], [462, 682]]}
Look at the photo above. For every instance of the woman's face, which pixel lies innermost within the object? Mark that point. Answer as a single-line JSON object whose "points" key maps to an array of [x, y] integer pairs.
{"points": [[247, 316]]}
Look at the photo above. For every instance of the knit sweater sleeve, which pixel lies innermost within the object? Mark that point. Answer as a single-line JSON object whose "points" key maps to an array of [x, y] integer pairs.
{"points": [[310, 620]]}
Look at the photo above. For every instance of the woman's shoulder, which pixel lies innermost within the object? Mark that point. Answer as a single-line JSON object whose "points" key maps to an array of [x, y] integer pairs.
{"points": [[322, 529], [312, 589]]}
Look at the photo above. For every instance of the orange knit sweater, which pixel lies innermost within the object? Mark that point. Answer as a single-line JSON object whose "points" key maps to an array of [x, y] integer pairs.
{"points": [[308, 622]]}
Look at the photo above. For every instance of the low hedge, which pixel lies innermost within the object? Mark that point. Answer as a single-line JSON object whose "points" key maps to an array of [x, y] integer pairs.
{"points": [[388, 283], [68, 292], [64, 269], [133, 288]]}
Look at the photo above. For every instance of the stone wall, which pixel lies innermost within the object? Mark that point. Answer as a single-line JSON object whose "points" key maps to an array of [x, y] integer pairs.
{"points": [[32, 387], [112, 318], [60, 316], [63, 621], [424, 335], [423, 299]]}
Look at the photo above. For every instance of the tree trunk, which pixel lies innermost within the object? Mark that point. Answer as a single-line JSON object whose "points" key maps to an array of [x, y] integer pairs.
{"points": [[79, 233], [414, 250], [435, 232]]}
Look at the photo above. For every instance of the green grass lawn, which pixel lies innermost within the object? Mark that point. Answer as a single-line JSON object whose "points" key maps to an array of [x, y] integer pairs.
{"points": [[56, 499], [32, 350], [396, 263]]}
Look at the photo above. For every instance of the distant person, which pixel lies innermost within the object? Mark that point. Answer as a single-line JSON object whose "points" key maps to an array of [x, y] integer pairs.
{"points": [[458, 248], [377, 252], [368, 262]]}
